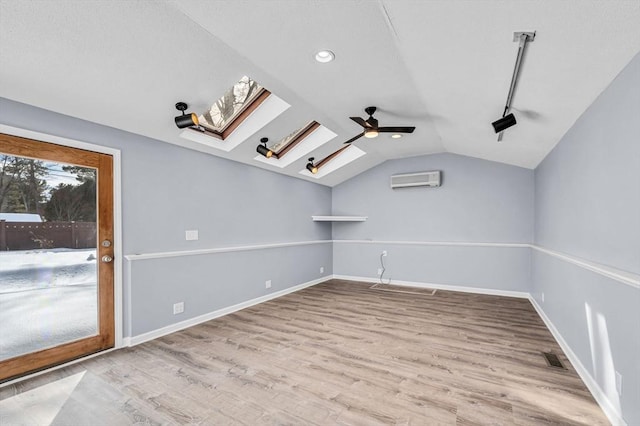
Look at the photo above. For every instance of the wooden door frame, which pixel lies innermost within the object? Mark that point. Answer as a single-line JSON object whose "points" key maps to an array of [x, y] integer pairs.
{"points": [[118, 310]]}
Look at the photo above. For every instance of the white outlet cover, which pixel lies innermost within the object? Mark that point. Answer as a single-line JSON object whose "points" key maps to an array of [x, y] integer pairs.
{"points": [[178, 308], [322, 269], [267, 284], [191, 235], [619, 383]]}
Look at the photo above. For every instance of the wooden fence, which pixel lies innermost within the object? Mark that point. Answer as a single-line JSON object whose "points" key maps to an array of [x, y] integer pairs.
{"points": [[46, 235]]}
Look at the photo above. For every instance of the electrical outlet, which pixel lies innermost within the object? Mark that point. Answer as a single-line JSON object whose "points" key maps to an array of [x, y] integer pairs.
{"points": [[191, 235], [267, 284], [379, 271], [543, 297], [178, 308], [384, 253], [322, 269], [619, 383]]}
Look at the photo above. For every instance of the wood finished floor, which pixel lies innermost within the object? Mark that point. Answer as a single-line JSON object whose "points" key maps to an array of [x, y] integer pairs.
{"points": [[335, 353]]}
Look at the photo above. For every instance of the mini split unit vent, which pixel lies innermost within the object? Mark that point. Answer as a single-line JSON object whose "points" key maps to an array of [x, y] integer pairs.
{"points": [[409, 180]]}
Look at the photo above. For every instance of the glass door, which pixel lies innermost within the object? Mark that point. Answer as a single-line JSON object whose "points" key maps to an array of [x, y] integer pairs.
{"points": [[56, 254]]}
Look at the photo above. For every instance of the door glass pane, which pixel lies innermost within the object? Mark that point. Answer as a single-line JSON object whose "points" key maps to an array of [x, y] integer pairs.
{"points": [[48, 266]]}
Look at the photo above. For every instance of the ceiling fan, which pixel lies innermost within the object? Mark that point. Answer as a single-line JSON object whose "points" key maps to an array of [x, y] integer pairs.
{"points": [[371, 129]]}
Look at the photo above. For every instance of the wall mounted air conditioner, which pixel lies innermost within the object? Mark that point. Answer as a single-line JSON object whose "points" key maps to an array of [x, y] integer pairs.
{"points": [[409, 180]]}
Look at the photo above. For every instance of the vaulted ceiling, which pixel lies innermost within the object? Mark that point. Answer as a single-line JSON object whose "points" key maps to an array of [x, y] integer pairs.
{"points": [[441, 65]]}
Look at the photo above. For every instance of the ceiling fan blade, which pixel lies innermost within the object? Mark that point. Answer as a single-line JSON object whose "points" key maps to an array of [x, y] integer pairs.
{"points": [[355, 137], [396, 129], [361, 122]]}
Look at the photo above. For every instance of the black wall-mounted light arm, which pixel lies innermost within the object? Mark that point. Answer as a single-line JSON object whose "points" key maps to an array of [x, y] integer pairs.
{"points": [[263, 150], [311, 167], [185, 120]]}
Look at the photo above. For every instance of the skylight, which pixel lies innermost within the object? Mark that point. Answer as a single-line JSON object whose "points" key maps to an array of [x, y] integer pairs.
{"points": [[298, 144], [278, 147], [272, 107], [333, 162], [229, 106]]}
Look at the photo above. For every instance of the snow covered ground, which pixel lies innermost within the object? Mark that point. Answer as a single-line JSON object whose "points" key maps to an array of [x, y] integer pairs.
{"points": [[47, 297]]}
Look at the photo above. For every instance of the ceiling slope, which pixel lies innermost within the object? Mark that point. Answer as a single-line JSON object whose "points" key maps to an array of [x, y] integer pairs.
{"points": [[443, 66]]}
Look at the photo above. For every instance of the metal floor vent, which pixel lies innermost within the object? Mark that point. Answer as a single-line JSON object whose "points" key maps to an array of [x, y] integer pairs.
{"points": [[404, 289], [553, 360]]}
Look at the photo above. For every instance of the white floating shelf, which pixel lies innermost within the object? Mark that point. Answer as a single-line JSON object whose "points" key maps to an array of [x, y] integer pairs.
{"points": [[339, 218]]}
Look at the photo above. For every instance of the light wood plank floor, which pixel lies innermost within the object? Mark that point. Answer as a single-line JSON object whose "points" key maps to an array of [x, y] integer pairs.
{"points": [[335, 353]]}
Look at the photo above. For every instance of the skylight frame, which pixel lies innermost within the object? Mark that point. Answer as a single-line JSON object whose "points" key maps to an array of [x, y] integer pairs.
{"points": [[268, 110], [335, 161], [297, 137], [239, 118], [309, 143]]}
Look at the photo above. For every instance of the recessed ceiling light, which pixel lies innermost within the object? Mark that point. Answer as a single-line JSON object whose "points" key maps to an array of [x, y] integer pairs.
{"points": [[325, 56], [396, 136]]}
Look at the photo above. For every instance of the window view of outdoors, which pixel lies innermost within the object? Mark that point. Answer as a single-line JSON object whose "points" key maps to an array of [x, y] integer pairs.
{"points": [[48, 275], [227, 108]]}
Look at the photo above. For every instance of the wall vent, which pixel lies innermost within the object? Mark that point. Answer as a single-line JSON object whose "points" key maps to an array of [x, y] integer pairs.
{"points": [[410, 180]]}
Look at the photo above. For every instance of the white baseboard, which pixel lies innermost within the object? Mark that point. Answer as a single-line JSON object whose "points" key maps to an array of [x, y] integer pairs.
{"points": [[448, 287], [601, 398], [141, 338]]}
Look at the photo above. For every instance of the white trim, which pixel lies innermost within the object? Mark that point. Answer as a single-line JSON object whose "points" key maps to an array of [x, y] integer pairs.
{"points": [[129, 307], [607, 271], [601, 398], [448, 287], [117, 208], [338, 218], [172, 328], [624, 277], [181, 253], [435, 243]]}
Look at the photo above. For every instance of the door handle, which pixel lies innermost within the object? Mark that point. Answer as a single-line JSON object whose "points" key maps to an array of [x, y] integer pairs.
{"points": [[107, 259]]}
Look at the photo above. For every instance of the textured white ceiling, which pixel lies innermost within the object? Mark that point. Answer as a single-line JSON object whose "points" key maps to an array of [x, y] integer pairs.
{"points": [[443, 66]]}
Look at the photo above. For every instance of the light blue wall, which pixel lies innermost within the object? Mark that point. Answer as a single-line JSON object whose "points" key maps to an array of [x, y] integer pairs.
{"points": [[588, 187], [217, 281], [167, 190], [588, 206], [479, 202]]}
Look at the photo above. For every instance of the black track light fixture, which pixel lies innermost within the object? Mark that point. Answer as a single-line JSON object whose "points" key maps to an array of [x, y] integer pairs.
{"points": [[263, 150], [508, 120], [313, 169], [185, 120], [504, 123]]}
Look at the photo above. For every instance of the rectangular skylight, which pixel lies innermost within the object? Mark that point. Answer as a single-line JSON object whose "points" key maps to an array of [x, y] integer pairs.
{"points": [[350, 154], [229, 106], [268, 110], [279, 147], [318, 137]]}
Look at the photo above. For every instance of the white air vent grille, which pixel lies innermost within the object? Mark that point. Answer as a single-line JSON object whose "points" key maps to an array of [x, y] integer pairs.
{"points": [[409, 180]]}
